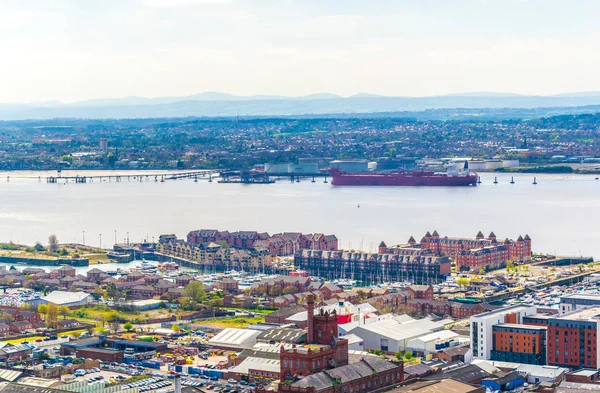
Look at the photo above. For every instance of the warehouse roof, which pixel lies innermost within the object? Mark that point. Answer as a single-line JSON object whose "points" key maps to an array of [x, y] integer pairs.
{"points": [[465, 374], [366, 367], [396, 330], [287, 335], [442, 334], [64, 297], [441, 386], [261, 364], [233, 337]]}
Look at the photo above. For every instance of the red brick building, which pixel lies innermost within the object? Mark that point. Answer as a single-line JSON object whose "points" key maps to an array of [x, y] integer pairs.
{"points": [[323, 350], [471, 254], [519, 343], [573, 339]]}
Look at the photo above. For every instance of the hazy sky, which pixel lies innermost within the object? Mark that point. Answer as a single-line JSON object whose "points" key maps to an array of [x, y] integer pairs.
{"points": [[72, 50]]}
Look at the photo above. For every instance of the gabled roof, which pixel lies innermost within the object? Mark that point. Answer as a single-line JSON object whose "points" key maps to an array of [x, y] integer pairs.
{"points": [[479, 235]]}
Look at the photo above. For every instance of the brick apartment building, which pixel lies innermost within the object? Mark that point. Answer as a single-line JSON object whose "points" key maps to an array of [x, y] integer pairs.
{"points": [[573, 339], [519, 343], [285, 243], [420, 267]]}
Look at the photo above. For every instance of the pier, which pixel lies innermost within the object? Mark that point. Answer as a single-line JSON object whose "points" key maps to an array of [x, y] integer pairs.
{"points": [[140, 177]]}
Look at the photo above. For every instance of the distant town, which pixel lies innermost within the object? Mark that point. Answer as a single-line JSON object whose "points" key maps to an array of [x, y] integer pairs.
{"points": [[555, 144]]}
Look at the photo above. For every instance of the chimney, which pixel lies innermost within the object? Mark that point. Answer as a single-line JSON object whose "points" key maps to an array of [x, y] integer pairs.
{"points": [[177, 383], [310, 307]]}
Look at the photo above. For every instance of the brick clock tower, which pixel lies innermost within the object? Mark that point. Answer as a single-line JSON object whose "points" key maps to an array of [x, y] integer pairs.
{"points": [[322, 351]]}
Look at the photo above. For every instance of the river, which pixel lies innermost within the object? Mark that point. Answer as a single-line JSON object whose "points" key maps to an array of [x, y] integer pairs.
{"points": [[561, 213]]}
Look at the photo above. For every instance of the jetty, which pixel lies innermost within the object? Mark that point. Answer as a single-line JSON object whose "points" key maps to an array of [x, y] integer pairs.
{"points": [[140, 177]]}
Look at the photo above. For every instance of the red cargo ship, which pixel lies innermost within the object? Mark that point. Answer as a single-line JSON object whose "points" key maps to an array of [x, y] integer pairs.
{"points": [[453, 177]]}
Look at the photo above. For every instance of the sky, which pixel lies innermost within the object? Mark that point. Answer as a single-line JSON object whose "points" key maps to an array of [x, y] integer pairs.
{"points": [[72, 50]]}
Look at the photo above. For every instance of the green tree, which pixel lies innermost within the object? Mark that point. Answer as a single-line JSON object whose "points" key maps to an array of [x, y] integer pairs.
{"points": [[216, 302], [289, 290], [377, 352], [52, 315], [175, 328], [43, 309], [128, 326], [276, 290], [195, 291], [408, 356], [399, 356], [64, 311]]}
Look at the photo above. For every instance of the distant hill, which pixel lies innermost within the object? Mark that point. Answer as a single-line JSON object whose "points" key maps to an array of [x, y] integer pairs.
{"points": [[215, 104]]}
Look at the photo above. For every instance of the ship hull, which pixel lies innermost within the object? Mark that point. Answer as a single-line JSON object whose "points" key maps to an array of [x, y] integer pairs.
{"points": [[402, 180]]}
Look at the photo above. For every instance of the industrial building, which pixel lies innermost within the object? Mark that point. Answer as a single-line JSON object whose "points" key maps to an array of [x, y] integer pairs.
{"points": [[235, 339], [392, 335], [62, 298], [350, 166], [436, 342]]}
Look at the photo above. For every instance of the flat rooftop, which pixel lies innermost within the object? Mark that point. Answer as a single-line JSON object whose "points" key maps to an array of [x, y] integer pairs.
{"points": [[582, 296], [584, 314], [519, 326]]}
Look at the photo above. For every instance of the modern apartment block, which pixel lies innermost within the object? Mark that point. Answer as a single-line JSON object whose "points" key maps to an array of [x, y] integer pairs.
{"points": [[577, 301], [573, 338], [482, 333], [519, 343]]}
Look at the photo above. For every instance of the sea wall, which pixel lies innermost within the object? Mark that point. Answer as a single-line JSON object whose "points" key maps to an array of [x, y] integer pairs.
{"points": [[45, 262]]}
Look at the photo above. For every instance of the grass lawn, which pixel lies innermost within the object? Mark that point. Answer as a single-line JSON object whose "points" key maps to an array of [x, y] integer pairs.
{"points": [[230, 322]]}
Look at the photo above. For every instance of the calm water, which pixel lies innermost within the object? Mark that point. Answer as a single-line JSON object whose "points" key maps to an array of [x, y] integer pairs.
{"points": [[561, 213]]}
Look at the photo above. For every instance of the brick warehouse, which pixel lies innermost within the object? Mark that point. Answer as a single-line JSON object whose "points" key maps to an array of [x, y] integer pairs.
{"points": [[323, 349], [321, 365]]}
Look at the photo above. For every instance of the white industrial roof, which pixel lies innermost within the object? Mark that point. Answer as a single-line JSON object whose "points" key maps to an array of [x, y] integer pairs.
{"points": [[64, 297], [233, 337], [346, 308], [536, 371], [396, 330], [261, 364], [145, 302], [352, 338], [442, 334]]}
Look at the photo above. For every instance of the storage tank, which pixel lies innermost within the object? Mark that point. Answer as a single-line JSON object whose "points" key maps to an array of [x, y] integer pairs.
{"points": [[310, 168], [510, 163], [277, 167], [491, 165], [350, 166], [477, 165]]}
